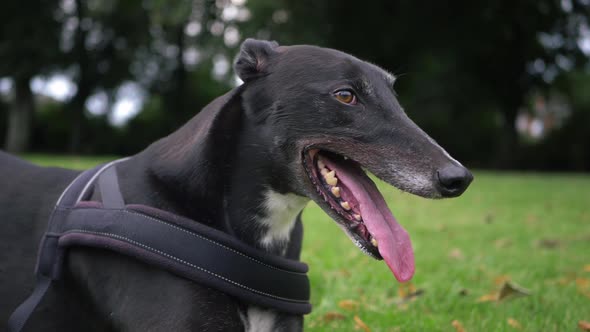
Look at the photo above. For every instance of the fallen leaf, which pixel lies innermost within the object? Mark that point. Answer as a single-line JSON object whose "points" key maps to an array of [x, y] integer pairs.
{"points": [[582, 283], [512, 290], [488, 297], [456, 253], [587, 268], [408, 292], [508, 290], [332, 316], [458, 326], [514, 323], [549, 243], [501, 279], [359, 324], [406, 289], [583, 286], [584, 325], [349, 305]]}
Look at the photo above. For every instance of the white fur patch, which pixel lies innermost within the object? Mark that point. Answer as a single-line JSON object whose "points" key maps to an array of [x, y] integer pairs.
{"points": [[281, 213], [260, 320]]}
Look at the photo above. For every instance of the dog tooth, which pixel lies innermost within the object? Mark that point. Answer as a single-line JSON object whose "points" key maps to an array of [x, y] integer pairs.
{"points": [[332, 181], [374, 241], [330, 178], [357, 216], [345, 205], [345, 158], [324, 171], [336, 191], [321, 164]]}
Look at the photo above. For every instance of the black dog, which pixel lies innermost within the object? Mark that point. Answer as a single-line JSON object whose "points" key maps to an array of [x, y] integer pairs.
{"points": [[301, 127]]}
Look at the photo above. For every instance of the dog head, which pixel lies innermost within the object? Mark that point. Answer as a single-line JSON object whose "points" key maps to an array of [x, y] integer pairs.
{"points": [[333, 115]]}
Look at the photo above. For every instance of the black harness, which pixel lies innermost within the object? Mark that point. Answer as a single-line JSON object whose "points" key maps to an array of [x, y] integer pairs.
{"points": [[159, 238]]}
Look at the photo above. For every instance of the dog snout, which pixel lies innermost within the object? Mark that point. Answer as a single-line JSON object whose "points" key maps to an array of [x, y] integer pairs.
{"points": [[453, 180]]}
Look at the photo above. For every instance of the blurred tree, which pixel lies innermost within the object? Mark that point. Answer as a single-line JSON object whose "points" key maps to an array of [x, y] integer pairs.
{"points": [[186, 36], [169, 21], [163, 48], [28, 47], [99, 40], [466, 68]]}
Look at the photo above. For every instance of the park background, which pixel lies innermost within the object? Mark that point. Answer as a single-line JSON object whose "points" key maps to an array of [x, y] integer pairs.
{"points": [[503, 85]]}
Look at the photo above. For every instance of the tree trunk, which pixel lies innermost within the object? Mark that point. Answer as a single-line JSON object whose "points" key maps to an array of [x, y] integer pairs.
{"points": [[177, 97], [76, 114], [20, 118], [76, 105]]}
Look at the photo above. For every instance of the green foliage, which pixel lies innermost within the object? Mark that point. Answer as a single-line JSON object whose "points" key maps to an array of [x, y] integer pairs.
{"points": [[464, 68], [73, 162], [29, 38]]}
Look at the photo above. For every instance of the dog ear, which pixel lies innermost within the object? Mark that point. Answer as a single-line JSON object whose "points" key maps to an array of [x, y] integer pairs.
{"points": [[252, 61]]}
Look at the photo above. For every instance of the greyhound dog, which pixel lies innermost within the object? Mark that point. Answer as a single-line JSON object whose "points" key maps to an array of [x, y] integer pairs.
{"points": [[302, 127]]}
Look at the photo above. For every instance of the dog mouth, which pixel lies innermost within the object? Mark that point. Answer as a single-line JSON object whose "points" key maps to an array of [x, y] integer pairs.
{"points": [[353, 200]]}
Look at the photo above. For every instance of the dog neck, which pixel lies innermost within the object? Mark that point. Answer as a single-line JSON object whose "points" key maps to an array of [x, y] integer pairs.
{"points": [[259, 208], [237, 187]]}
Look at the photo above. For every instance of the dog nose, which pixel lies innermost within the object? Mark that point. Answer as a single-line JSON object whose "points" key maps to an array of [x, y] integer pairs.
{"points": [[453, 180]]}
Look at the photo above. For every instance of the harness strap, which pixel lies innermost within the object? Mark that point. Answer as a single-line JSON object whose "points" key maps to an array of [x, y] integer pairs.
{"points": [[49, 261], [159, 238], [109, 189], [20, 316]]}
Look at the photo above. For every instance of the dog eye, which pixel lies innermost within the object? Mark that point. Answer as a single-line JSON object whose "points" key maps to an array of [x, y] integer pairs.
{"points": [[345, 96]]}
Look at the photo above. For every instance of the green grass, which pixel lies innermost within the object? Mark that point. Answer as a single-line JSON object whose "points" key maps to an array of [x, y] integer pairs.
{"points": [[533, 228], [461, 246], [74, 162]]}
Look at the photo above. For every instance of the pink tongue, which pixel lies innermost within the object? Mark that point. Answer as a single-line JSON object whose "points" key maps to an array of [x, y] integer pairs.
{"points": [[393, 241]]}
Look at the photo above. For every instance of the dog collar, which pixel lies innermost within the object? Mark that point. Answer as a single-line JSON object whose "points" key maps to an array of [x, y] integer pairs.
{"points": [[159, 238]]}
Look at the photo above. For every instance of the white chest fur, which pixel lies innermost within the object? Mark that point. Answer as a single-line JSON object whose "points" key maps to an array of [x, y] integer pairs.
{"points": [[259, 320], [281, 213]]}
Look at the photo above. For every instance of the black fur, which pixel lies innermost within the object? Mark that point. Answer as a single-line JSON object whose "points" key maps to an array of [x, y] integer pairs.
{"points": [[215, 170]]}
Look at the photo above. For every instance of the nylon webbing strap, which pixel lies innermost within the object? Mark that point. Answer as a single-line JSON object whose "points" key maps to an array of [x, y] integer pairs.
{"points": [[20, 316], [109, 189], [176, 244], [49, 261]]}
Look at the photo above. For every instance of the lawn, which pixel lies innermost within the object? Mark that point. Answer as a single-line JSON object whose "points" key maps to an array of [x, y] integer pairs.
{"points": [[531, 230]]}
